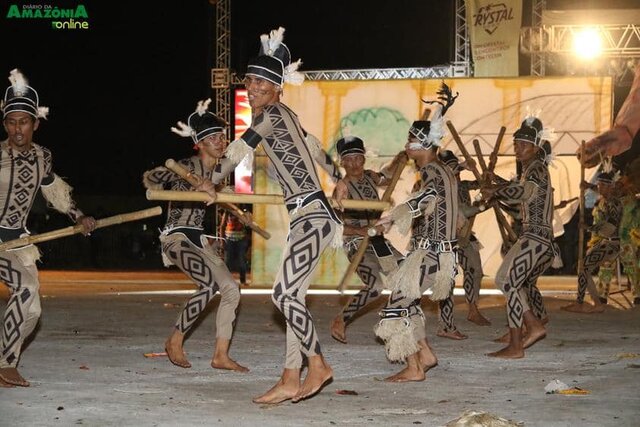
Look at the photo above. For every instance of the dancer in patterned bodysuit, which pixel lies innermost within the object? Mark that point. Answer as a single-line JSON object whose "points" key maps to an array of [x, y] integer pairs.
{"points": [[468, 245], [380, 256], [313, 226], [533, 252], [604, 245], [630, 230], [25, 168], [185, 245], [431, 263]]}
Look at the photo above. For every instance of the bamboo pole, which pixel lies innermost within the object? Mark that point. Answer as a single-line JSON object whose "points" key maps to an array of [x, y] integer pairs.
{"points": [[355, 261], [264, 199], [504, 226], [172, 165], [75, 229]]}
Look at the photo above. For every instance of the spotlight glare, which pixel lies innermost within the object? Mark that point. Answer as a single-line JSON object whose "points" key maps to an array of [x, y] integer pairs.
{"points": [[587, 44]]}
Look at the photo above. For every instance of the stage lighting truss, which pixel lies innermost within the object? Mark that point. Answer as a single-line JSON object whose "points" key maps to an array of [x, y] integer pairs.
{"points": [[616, 41]]}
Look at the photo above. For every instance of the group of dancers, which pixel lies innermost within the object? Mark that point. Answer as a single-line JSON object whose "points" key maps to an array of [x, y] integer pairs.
{"points": [[438, 216]]}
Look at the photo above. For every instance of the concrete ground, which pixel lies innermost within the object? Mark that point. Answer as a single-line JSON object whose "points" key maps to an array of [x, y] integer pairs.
{"points": [[87, 365]]}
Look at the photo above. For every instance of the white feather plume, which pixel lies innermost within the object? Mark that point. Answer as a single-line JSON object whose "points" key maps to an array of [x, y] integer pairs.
{"points": [[548, 134], [203, 106], [275, 38], [531, 114], [436, 128], [264, 40], [18, 81], [184, 130], [43, 112], [292, 75], [549, 160]]}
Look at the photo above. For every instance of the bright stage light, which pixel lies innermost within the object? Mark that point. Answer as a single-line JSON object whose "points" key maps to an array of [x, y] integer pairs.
{"points": [[587, 43]]}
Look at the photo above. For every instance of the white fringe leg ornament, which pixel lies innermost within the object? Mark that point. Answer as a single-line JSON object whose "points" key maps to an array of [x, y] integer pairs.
{"points": [[399, 337], [406, 279], [447, 270]]}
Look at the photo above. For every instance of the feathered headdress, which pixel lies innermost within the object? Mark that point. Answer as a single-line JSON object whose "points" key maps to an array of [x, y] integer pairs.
{"points": [[431, 132], [22, 97], [201, 123], [608, 174], [273, 62], [532, 130], [349, 145]]}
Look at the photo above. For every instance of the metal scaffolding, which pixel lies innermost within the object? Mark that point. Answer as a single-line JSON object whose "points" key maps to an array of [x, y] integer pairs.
{"points": [[548, 44], [619, 41], [538, 59], [220, 75], [222, 80], [381, 74], [462, 48]]}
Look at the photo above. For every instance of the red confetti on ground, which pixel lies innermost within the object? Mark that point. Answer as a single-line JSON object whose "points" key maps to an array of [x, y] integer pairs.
{"points": [[161, 354], [347, 392]]}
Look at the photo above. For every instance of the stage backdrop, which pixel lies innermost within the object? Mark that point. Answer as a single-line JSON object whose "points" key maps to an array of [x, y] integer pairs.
{"points": [[381, 112]]}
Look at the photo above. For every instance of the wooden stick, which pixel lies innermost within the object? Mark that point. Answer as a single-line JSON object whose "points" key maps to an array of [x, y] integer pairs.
{"points": [[75, 229], [355, 261], [502, 221], [581, 224], [263, 199], [178, 169], [483, 165], [493, 160], [464, 151], [493, 157]]}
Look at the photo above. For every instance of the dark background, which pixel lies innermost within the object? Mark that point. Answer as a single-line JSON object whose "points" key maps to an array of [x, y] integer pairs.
{"points": [[115, 89]]}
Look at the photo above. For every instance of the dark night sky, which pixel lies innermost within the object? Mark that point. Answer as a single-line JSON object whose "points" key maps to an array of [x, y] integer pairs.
{"points": [[115, 89]]}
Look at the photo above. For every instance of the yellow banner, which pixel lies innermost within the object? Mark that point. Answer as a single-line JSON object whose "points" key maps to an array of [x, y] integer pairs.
{"points": [[494, 30]]}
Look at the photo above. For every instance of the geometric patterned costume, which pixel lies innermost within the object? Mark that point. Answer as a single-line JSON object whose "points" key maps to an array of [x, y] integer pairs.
{"points": [[369, 269], [533, 252], [434, 209], [630, 246], [604, 246], [313, 222], [22, 174], [185, 245], [469, 249]]}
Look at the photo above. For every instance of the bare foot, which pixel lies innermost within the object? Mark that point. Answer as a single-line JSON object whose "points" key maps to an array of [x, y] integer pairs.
{"points": [[533, 335], [454, 335], [503, 339], [338, 329], [175, 352], [5, 384], [476, 317], [285, 389], [406, 375], [584, 308], [12, 377], [426, 357], [508, 352], [319, 374], [225, 362]]}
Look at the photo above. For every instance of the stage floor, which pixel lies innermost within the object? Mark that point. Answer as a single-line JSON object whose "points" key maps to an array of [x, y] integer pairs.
{"points": [[87, 365]]}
